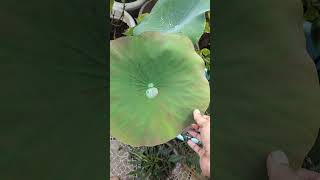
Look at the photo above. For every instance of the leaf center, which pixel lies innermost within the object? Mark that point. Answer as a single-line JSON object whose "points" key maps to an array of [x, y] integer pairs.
{"points": [[152, 91]]}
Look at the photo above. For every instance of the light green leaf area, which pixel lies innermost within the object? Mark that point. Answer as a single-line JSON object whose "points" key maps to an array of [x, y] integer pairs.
{"points": [[111, 4], [207, 25], [205, 52], [267, 94], [141, 17], [129, 32], [169, 63], [176, 16]]}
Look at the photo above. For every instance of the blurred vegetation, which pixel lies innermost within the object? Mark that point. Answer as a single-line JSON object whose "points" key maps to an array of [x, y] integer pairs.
{"points": [[311, 10], [312, 14], [188, 156], [155, 162], [312, 160]]}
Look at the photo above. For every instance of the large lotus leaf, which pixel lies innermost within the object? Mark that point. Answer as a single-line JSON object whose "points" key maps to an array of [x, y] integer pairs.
{"points": [[53, 90], [266, 90], [156, 82], [176, 16]]}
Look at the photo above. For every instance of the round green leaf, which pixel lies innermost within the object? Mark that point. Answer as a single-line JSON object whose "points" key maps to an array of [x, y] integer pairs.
{"points": [[156, 82], [176, 16]]}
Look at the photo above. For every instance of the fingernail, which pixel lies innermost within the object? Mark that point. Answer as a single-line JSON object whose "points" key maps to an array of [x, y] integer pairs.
{"points": [[280, 157], [197, 111], [180, 137], [195, 140]]}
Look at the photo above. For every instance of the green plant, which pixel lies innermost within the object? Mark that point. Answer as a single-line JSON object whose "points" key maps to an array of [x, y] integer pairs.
{"points": [[311, 12], [154, 163], [266, 87], [188, 156], [205, 54], [158, 62], [141, 17], [207, 26], [176, 16], [111, 4], [155, 84]]}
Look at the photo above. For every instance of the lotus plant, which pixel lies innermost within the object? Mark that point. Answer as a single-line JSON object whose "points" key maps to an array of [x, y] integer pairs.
{"points": [[154, 87], [157, 77]]}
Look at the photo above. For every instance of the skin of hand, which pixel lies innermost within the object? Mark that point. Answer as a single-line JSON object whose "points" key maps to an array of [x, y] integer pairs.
{"points": [[201, 131], [279, 169]]}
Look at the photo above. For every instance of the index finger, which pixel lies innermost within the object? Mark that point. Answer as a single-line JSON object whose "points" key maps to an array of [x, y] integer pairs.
{"points": [[196, 148]]}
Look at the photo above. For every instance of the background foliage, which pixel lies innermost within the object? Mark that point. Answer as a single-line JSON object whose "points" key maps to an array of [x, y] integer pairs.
{"points": [[267, 88], [311, 14], [53, 89]]}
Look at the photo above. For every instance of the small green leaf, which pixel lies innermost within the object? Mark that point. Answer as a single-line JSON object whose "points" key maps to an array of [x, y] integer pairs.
{"points": [[207, 27], [205, 52], [129, 31], [141, 17], [175, 158]]}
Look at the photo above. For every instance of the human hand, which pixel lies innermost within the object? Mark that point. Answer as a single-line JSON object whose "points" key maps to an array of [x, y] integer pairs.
{"points": [[279, 169], [201, 131]]}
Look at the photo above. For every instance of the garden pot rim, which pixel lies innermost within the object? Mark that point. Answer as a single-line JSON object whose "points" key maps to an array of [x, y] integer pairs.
{"points": [[129, 6], [128, 19]]}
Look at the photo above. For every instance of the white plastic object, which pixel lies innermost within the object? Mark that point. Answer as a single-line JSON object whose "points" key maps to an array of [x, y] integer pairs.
{"points": [[129, 6], [127, 18]]}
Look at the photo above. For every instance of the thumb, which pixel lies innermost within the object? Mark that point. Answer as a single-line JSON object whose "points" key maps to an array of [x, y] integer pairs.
{"points": [[198, 118], [278, 167]]}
